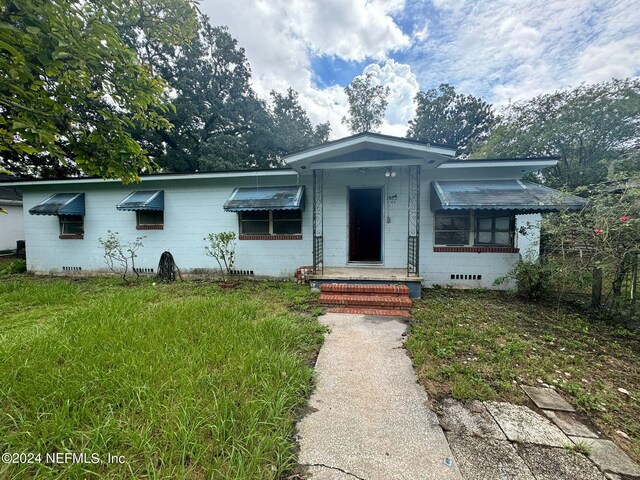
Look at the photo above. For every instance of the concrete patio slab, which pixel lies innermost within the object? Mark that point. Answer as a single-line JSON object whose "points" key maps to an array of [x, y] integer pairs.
{"points": [[521, 424], [609, 457], [369, 417], [547, 398], [551, 463], [488, 459], [569, 423], [471, 419]]}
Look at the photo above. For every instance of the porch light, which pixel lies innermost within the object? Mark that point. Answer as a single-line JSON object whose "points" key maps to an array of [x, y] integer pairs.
{"points": [[389, 173]]}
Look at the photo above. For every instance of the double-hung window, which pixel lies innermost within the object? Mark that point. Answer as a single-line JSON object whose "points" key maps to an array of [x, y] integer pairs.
{"points": [[477, 228], [494, 230], [271, 222]]}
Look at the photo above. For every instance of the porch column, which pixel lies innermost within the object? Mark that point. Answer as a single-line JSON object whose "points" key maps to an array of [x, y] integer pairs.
{"points": [[318, 264], [413, 242]]}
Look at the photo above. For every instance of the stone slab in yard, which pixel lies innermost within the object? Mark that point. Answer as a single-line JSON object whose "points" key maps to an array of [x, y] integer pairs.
{"points": [[471, 419], [521, 424], [487, 458], [552, 463], [609, 457], [569, 424], [547, 398]]}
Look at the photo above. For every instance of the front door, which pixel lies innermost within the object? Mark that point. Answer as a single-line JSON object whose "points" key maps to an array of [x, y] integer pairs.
{"points": [[365, 225]]}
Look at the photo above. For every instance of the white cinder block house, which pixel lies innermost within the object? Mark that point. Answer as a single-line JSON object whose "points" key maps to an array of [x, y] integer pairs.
{"points": [[367, 206], [11, 218]]}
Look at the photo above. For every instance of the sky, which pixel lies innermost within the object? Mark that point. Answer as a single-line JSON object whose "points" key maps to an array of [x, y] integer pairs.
{"points": [[500, 50]]}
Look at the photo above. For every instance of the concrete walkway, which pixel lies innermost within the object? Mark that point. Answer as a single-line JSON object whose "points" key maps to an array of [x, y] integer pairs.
{"points": [[368, 417]]}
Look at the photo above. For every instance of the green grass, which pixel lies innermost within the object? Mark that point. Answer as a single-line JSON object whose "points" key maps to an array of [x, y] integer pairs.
{"points": [[185, 380], [483, 345]]}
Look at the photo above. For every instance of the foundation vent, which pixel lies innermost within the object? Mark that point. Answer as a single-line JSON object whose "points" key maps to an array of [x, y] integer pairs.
{"points": [[71, 269], [144, 270], [465, 276], [241, 272]]}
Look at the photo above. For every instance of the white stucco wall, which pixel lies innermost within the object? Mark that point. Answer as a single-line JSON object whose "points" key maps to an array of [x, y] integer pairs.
{"points": [[11, 226]]}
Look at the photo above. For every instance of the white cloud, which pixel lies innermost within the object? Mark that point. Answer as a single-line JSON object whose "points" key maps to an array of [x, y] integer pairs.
{"points": [[503, 50], [515, 50]]}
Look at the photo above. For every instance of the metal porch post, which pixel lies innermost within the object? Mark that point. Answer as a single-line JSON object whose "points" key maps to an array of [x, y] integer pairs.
{"points": [[318, 264], [413, 242]]}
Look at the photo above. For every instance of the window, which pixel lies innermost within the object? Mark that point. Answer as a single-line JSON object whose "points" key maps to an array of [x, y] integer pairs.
{"points": [[494, 231], [484, 229], [271, 222], [453, 229], [71, 226], [146, 218]]}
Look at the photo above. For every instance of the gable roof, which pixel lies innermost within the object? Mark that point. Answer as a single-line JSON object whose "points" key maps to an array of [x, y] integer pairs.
{"points": [[369, 147]]}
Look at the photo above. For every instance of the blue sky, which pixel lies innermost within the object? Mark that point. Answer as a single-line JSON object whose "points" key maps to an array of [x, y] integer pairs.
{"points": [[500, 50]]}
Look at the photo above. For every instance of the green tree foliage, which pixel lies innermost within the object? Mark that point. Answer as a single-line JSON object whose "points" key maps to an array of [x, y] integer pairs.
{"points": [[367, 104], [594, 129], [447, 117], [219, 122], [73, 88], [603, 234], [292, 128]]}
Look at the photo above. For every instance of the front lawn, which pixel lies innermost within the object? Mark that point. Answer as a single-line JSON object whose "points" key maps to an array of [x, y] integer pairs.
{"points": [[483, 345], [185, 380]]}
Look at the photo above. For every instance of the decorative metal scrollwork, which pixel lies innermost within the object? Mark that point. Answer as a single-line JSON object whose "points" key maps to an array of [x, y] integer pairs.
{"points": [[317, 221], [413, 242]]}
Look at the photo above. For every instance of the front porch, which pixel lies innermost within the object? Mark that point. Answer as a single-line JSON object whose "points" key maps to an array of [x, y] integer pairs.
{"points": [[368, 276]]}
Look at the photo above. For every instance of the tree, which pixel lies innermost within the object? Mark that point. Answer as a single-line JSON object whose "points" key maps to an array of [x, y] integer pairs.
{"points": [[450, 118], [367, 104], [73, 88], [593, 129], [292, 128], [219, 123], [605, 234]]}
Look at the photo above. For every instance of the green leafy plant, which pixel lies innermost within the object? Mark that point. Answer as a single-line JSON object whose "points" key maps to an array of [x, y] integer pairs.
{"points": [[118, 253], [533, 278], [221, 246], [17, 266]]}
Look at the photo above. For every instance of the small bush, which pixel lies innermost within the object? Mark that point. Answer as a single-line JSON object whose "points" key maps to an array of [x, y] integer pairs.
{"points": [[18, 266], [532, 277]]}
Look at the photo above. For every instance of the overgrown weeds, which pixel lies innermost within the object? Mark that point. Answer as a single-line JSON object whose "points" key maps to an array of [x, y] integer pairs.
{"points": [[183, 380], [485, 344]]}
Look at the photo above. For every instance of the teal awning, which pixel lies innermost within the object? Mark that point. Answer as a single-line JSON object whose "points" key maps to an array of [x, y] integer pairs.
{"points": [[266, 198], [519, 196], [61, 204], [143, 200]]}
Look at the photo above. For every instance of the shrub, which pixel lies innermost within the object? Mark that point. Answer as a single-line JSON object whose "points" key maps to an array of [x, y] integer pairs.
{"points": [[18, 266], [221, 246], [533, 278], [117, 252]]}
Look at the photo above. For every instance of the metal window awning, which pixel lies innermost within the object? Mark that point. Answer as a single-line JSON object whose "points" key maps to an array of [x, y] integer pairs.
{"points": [[61, 204], [143, 200], [266, 198], [518, 196]]}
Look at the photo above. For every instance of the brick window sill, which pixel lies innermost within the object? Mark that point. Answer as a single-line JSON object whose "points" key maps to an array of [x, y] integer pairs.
{"points": [[71, 236], [477, 249], [149, 227], [271, 237]]}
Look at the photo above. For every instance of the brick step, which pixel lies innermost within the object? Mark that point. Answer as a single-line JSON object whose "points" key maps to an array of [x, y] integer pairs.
{"points": [[373, 301], [365, 289], [370, 311]]}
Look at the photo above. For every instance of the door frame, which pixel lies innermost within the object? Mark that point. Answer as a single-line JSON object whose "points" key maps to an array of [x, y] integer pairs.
{"points": [[381, 188]]}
